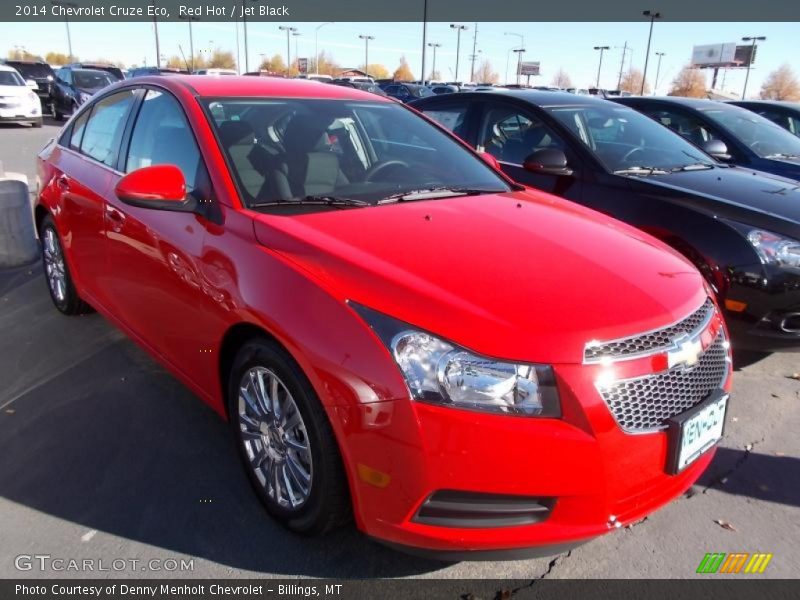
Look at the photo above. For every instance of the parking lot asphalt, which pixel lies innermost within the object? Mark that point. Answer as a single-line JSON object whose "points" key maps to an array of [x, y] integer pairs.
{"points": [[103, 455]]}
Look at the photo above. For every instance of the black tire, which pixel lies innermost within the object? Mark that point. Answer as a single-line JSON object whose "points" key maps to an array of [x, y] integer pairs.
{"points": [[327, 506], [58, 115], [70, 303], [37, 123]]}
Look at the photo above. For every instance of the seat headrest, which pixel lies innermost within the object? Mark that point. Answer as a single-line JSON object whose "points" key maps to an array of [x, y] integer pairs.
{"points": [[232, 133]]}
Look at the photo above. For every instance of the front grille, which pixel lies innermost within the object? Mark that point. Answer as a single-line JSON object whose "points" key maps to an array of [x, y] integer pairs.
{"points": [[645, 403], [649, 342]]}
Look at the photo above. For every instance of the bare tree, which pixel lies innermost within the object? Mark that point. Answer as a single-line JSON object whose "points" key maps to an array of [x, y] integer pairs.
{"points": [[376, 71], [632, 82], [221, 59], [56, 58], [781, 84], [273, 65], [689, 83], [485, 74], [561, 79]]}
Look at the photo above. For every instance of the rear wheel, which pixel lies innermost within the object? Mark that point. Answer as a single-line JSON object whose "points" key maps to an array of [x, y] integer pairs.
{"points": [[37, 123], [285, 440], [56, 271]]}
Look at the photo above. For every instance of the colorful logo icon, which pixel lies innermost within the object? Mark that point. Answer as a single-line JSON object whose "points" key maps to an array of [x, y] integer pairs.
{"points": [[736, 562]]}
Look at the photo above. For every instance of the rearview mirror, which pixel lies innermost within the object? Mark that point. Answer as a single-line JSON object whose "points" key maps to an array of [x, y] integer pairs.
{"points": [[549, 161], [31, 83], [717, 149], [490, 160], [160, 187]]}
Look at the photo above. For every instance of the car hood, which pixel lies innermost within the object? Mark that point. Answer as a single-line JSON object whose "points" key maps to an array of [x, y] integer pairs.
{"points": [[520, 275], [736, 191], [17, 91]]}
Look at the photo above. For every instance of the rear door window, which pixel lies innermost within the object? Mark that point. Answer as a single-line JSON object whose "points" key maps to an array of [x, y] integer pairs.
{"points": [[103, 131]]}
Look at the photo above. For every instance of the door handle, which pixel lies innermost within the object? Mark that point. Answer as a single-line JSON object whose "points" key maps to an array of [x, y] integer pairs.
{"points": [[116, 218], [63, 182]]}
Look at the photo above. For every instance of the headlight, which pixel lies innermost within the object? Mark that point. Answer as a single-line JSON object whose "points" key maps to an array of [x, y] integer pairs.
{"points": [[49, 78], [774, 249], [440, 372]]}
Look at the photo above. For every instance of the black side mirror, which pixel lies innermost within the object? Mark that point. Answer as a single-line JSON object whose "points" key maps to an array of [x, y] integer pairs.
{"points": [[548, 161], [717, 149]]}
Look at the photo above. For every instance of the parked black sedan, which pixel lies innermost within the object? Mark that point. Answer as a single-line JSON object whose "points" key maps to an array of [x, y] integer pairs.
{"points": [[740, 228], [74, 86], [783, 114], [406, 92], [730, 133]]}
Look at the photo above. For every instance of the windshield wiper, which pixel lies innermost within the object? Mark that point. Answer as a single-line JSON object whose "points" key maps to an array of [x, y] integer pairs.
{"points": [[337, 201], [700, 166], [433, 193], [637, 170]]}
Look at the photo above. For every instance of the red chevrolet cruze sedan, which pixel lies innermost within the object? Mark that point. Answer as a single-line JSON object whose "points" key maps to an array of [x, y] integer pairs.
{"points": [[396, 331]]}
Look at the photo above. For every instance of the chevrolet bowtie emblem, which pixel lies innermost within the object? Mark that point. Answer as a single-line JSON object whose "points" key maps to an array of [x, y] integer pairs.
{"points": [[686, 352]]}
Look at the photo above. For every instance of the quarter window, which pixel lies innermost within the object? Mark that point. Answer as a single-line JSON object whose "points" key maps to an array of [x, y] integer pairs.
{"points": [[104, 130], [688, 126], [161, 136], [450, 117], [77, 130]]}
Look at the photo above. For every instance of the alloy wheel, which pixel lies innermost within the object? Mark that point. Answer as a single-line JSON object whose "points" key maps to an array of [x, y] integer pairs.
{"points": [[54, 265], [274, 437]]}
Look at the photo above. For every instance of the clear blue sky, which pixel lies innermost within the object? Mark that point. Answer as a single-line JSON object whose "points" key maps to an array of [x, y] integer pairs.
{"points": [[556, 45]]}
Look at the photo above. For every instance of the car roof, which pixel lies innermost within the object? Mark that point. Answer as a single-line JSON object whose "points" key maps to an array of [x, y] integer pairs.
{"points": [[255, 87], [537, 97], [786, 103], [7, 68], [689, 102]]}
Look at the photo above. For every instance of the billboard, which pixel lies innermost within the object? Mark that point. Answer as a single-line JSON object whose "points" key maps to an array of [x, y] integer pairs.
{"points": [[746, 55], [714, 55], [302, 65], [529, 68]]}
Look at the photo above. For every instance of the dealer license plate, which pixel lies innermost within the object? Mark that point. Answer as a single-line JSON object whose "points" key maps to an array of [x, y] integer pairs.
{"points": [[695, 431]]}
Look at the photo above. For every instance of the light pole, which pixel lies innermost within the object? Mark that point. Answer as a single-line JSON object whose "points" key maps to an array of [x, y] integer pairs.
{"points": [[366, 39], [754, 39], [66, 21], [652, 15], [289, 31], [296, 35], [434, 46], [625, 50], [474, 53], [459, 29], [316, 44], [244, 30], [424, 36], [508, 56], [600, 66], [155, 30], [189, 19], [521, 45], [520, 52], [658, 71]]}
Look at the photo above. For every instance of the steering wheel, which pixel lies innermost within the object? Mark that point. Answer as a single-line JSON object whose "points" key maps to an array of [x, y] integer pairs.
{"points": [[631, 153], [382, 167]]}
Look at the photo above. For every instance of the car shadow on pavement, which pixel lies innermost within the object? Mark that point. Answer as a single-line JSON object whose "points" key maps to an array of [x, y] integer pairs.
{"points": [[116, 444], [772, 478]]}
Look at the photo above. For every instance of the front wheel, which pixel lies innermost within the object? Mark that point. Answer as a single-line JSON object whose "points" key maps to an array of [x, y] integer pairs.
{"points": [[56, 271], [286, 441]]}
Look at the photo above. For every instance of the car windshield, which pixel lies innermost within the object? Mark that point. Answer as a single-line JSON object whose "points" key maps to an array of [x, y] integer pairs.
{"points": [[91, 80], [335, 152], [623, 139], [421, 92], [764, 137], [11, 78]]}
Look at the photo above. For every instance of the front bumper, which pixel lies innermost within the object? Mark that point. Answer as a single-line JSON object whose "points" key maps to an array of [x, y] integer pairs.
{"points": [[762, 309], [399, 453]]}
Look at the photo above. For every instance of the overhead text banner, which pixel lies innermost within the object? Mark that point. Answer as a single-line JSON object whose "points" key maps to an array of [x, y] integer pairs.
{"points": [[393, 11]]}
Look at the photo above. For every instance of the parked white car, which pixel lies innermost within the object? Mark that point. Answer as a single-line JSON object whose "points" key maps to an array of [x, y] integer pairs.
{"points": [[215, 72], [18, 100]]}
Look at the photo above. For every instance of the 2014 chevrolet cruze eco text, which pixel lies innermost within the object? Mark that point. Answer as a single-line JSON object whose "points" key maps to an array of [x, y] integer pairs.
{"points": [[396, 331]]}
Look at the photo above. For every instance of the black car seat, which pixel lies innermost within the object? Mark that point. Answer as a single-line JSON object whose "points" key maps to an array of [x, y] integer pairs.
{"points": [[311, 171]]}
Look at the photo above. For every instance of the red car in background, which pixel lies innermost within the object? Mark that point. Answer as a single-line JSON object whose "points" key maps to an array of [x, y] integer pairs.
{"points": [[396, 331]]}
